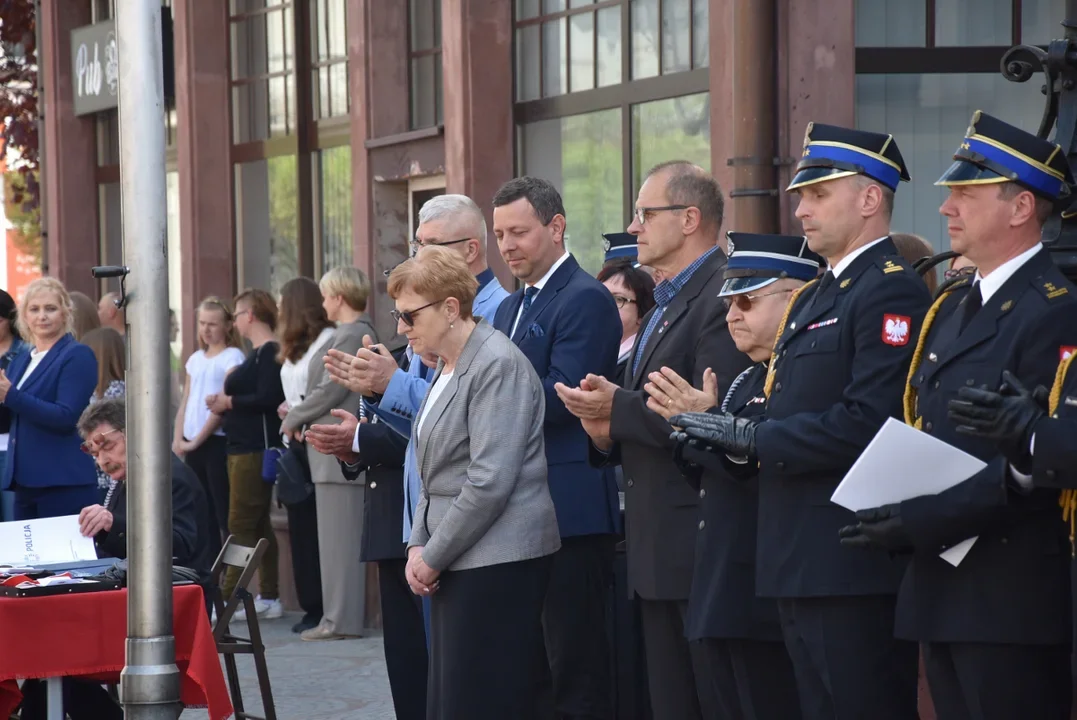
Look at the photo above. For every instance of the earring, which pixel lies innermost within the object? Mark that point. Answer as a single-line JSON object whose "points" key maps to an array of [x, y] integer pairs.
{"points": [[451, 326]]}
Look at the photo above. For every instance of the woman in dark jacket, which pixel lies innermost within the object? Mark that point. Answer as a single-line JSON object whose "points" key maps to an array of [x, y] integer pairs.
{"points": [[252, 394], [11, 345]]}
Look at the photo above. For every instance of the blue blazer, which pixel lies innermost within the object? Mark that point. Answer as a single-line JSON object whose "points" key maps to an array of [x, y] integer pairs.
{"points": [[43, 447], [571, 329]]}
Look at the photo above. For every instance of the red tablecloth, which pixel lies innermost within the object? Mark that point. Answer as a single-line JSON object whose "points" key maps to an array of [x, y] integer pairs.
{"points": [[84, 635]]}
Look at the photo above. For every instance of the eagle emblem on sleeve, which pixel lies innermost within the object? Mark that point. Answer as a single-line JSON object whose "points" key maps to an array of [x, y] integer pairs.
{"points": [[896, 330]]}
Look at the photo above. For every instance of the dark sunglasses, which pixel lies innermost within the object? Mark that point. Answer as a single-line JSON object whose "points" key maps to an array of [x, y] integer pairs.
{"points": [[744, 302], [98, 442], [408, 316]]}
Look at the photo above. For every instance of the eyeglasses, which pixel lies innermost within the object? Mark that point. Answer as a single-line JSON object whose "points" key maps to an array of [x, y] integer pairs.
{"points": [[98, 442], [744, 302], [952, 273], [621, 301], [408, 316], [642, 213], [416, 245]]}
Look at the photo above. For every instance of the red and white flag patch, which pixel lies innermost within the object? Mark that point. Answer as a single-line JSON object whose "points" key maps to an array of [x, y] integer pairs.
{"points": [[1065, 351], [896, 329]]}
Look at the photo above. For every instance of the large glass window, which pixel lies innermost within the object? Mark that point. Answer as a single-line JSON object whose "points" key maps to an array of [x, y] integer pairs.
{"points": [[424, 61], [674, 129], [565, 49], [335, 216], [263, 67], [329, 40], [581, 155], [267, 222]]}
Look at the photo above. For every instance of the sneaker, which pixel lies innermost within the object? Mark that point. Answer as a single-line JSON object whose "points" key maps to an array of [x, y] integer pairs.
{"points": [[260, 608], [273, 610]]}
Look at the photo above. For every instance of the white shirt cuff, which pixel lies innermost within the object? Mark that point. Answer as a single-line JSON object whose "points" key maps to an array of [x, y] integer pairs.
{"points": [[1032, 445], [1025, 481], [355, 442]]}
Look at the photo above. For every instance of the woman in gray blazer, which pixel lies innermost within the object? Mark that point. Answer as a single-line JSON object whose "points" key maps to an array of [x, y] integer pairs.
{"points": [[339, 501], [485, 527]]}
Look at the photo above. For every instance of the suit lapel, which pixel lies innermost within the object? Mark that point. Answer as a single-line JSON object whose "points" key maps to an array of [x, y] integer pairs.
{"points": [[676, 309], [51, 356], [553, 286], [984, 325]]}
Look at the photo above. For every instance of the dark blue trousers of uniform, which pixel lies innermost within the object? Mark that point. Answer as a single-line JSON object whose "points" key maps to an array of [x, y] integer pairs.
{"points": [[745, 680], [985, 681], [847, 662]]}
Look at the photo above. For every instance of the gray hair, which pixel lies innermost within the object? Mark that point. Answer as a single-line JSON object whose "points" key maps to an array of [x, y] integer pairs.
{"points": [[111, 411], [462, 209]]}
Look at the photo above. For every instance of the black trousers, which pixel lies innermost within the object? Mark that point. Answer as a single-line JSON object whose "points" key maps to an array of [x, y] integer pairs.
{"points": [[83, 700], [574, 624], [404, 639], [847, 662], [672, 667], [210, 463], [983, 681], [745, 680], [306, 565], [487, 657]]}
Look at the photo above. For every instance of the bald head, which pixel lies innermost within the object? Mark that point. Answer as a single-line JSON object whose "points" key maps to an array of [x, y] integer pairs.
{"points": [[109, 314]]}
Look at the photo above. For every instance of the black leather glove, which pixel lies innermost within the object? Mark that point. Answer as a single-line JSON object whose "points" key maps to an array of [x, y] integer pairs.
{"points": [[880, 527], [1007, 417], [721, 433]]}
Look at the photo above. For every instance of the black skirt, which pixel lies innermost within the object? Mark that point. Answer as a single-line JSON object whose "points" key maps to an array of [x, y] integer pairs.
{"points": [[488, 656]]}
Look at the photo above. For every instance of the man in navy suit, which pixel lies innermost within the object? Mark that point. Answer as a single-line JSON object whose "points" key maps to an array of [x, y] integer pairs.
{"points": [[567, 324]]}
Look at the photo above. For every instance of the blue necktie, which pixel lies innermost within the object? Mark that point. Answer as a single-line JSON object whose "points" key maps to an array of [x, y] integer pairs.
{"points": [[529, 297]]}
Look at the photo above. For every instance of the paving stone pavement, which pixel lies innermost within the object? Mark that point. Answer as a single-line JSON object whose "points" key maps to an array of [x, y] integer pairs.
{"points": [[329, 680]]}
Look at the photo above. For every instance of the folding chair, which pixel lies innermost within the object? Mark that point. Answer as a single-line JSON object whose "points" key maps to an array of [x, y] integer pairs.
{"points": [[228, 644]]}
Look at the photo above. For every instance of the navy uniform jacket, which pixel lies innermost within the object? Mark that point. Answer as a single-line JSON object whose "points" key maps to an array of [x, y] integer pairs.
{"points": [[571, 329], [1013, 586], [661, 510], [1054, 457], [722, 603], [842, 361]]}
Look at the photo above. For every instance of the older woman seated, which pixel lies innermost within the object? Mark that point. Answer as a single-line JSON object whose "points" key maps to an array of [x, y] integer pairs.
{"points": [[103, 428]]}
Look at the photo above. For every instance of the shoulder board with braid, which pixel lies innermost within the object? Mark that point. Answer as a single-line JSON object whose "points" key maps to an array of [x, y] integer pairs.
{"points": [[1068, 498], [772, 367], [910, 393]]}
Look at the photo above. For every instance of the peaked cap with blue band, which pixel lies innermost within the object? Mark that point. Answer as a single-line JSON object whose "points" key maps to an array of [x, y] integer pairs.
{"points": [[996, 152], [756, 261], [620, 245], [832, 152]]}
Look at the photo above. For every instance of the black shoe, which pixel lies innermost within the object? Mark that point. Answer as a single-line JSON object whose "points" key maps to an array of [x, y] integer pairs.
{"points": [[308, 622]]}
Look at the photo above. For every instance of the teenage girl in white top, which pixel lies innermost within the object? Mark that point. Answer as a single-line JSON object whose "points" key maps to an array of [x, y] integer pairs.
{"points": [[198, 437]]}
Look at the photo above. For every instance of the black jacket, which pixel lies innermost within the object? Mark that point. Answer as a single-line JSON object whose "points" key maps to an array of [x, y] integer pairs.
{"points": [[1054, 457], [723, 603], [190, 522], [841, 365], [661, 510], [1013, 587]]}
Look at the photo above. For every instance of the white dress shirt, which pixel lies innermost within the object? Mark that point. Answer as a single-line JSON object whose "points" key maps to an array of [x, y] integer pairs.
{"points": [[846, 261], [540, 284]]}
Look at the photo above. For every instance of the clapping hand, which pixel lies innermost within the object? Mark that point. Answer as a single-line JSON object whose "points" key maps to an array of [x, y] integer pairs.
{"points": [[670, 394], [1007, 417], [5, 385], [719, 433], [368, 372], [336, 440]]}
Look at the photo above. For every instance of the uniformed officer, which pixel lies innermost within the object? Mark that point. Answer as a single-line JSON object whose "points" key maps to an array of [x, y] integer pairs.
{"points": [[620, 245], [737, 634], [837, 374], [995, 630]]}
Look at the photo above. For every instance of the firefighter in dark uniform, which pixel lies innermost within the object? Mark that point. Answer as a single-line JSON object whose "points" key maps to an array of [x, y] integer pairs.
{"points": [[837, 374], [995, 630], [749, 674]]}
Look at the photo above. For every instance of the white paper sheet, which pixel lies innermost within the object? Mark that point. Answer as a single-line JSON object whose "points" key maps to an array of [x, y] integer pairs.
{"points": [[902, 463], [49, 540]]}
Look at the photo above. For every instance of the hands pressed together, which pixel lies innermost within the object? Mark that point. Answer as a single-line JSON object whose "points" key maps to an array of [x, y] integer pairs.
{"points": [[422, 578], [367, 372]]}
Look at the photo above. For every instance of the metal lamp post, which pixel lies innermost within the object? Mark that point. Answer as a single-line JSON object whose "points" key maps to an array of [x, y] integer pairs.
{"points": [[149, 685]]}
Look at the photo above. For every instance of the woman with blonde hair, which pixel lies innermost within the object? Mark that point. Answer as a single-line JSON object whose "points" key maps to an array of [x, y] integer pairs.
{"points": [[344, 292], [46, 390], [198, 437]]}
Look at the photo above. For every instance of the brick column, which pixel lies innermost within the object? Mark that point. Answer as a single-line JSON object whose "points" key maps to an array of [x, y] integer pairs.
{"points": [[203, 157], [359, 82], [70, 158], [476, 60]]}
